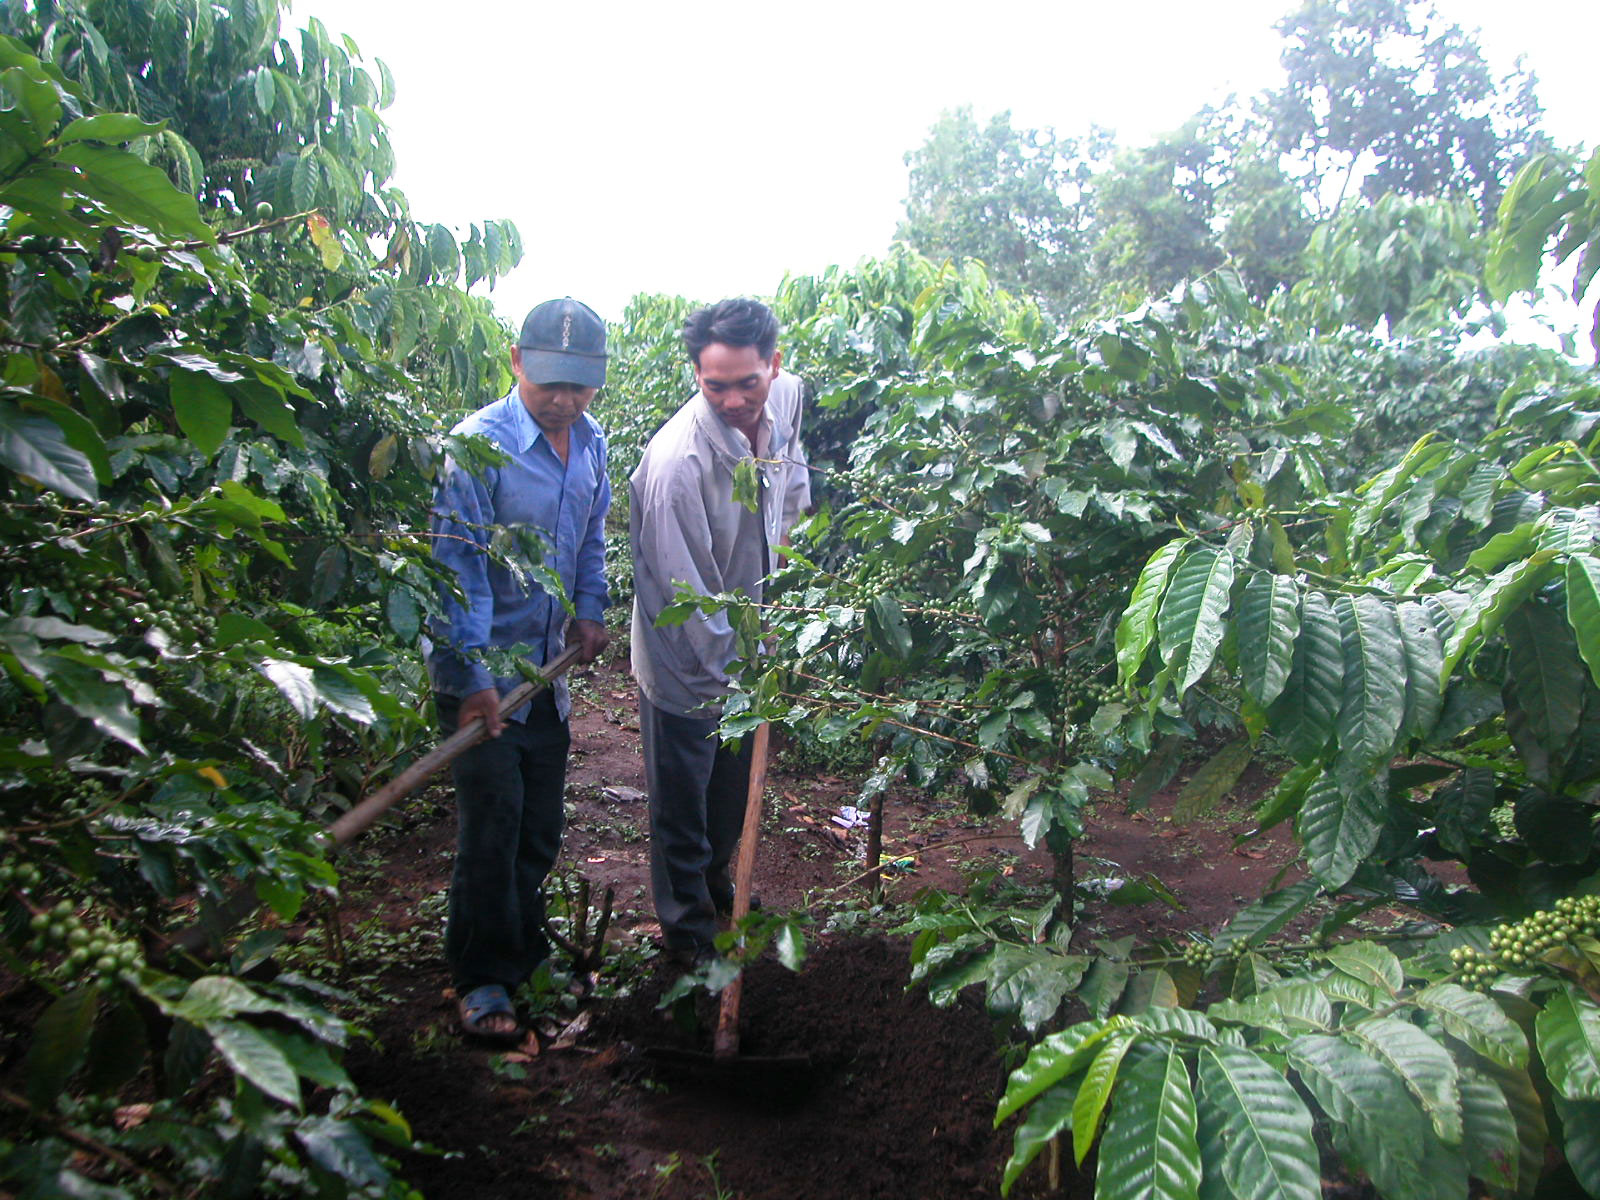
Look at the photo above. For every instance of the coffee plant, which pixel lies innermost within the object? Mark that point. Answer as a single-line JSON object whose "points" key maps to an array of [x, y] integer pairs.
{"points": [[227, 353], [1047, 561], [1425, 648]]}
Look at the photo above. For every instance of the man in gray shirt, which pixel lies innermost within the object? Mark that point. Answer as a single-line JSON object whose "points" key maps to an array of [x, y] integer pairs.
{"points": [[687, 528]]}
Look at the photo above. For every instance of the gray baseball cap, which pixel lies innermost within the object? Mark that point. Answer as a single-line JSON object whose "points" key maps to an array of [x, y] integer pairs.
{"points": [[564, 341]]}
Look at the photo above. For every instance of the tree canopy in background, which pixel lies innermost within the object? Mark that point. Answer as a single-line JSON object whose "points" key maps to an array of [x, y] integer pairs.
{"points": [[1387, 108]]}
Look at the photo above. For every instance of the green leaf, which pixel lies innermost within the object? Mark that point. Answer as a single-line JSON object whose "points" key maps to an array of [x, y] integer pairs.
{"points": [[1054, 1059], [250, 1053], [1257, 922], [886, 625], [1488, 1132], [1293, 1007], [266, 90], [1284, 801], [340, 1148], [1150, 1151], [118, 1050], [1527, 1111], [1214, 780], [268, 408], [1423, 653], [136, 191], [1374, 699], [1487, 609], [1047, 1117], [1268, 623], [1580, 1127], [295, 682], [1544, 687], [203, 409], [60, 1044], [1583, 608], [1339, 827], [1156, 771], [38, 448], [1370, 963], [1568, 1031], [79, 433], [108, 127], [1262, 1128], [1030, 982], [1302, 718], [1475, 1019], [310, 1058], [1425, 1066], [1095, 1090], [1137, 626], [791, 946], [1190, 621], [1376, 1125]]}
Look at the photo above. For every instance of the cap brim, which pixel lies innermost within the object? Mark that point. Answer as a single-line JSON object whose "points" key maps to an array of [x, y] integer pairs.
{"points": [[554, 366]]}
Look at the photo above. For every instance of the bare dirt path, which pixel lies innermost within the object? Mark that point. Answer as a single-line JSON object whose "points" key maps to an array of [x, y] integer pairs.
{"points": [[901, 1096]]}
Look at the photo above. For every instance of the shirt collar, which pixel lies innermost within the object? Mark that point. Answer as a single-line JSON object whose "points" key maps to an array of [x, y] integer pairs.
{"points": [[527, 429]]}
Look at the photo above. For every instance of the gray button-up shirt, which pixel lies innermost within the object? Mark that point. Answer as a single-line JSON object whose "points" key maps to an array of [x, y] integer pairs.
{"points": [[687, 528]]}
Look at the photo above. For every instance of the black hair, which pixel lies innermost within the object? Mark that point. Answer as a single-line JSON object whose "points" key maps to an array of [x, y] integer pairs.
{"points": [[738, 322]]}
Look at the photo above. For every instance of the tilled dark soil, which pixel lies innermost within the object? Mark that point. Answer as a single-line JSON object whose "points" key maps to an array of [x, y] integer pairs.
{"points": [[899, 1096]]}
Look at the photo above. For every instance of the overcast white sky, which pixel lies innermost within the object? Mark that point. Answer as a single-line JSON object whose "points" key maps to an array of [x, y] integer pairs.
{"points": [[703, 150]]}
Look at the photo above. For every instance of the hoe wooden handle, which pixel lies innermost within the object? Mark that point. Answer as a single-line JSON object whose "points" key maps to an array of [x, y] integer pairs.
{"points": [[726, 1043], [361, 817]]}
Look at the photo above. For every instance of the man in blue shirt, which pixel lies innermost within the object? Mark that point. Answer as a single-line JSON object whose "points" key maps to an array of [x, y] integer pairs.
{"points": [[552, 489]]}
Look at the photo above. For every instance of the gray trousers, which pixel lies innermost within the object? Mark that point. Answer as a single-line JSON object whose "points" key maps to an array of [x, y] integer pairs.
{"points": [[697, 789]]}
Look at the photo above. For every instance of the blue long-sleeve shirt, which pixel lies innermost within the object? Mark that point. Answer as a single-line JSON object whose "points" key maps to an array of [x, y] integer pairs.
{"points": [[566, 503]]}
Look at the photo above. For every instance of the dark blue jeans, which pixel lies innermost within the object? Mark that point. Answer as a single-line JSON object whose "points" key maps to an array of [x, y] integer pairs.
{"points": [[509, 793], [698, 789]]}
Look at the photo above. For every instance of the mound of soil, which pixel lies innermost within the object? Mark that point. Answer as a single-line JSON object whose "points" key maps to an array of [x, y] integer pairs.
{"points": [[847, 1085]]}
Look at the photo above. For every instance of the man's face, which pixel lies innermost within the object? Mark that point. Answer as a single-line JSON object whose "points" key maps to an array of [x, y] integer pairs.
{"points": [[735, 380], [555, 406]]}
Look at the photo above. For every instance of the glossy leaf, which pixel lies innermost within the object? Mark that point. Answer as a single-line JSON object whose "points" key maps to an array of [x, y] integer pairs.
{"points": [[1055, 1058], [1423, 654], [1303, 717], [1339, 827], [1095, 1090], [1425, 1066], [1190, 621], [1583, 608], [1580, 1141], [1376, 1124], [1487, 609], [37, 448], [1475, 1019], [1368, 962], [1267, 624], [1568, 1029], [250, 1053], [1149, 1150], [1374, 699], [1048, 1117], [1137, 626], [1545, 687], [1264, 1130], [203, 409], [1489, 1132]]}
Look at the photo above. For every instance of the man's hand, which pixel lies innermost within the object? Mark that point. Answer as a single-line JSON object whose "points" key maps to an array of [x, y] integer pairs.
{"points": [[592, 639], [485, 704]]}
